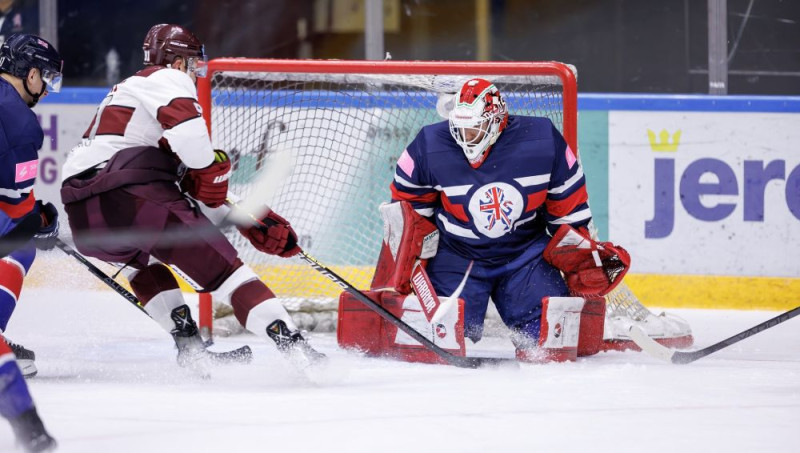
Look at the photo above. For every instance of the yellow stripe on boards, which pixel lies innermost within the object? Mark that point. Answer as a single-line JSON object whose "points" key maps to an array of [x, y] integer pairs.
{"points": [[715, 292], [661, 291]]}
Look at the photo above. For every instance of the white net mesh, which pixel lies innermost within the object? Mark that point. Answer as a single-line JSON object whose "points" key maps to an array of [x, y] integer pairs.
{"points": [[345, 132]]}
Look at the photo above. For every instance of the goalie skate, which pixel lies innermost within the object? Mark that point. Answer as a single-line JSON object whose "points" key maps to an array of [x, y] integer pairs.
{"points": [[624, 310]]}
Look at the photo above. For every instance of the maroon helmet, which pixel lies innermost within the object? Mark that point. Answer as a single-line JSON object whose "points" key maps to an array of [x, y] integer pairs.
{"points": [[164, 42]]}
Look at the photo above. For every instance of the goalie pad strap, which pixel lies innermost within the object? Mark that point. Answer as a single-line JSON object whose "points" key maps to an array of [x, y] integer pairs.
{"points": [[407, 237]]}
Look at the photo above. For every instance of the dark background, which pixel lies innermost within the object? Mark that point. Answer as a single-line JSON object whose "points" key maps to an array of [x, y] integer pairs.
{"points": [[647, 46]]}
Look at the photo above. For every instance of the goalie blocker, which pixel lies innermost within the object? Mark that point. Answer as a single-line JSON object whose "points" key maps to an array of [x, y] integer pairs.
{"points": [[571, 326]]}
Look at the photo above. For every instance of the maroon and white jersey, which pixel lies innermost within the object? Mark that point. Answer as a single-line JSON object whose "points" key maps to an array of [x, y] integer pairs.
{"points": [[155, 103]]}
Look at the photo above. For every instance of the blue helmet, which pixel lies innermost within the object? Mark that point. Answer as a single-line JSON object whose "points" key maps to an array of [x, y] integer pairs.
{"points": [[21, 52]]}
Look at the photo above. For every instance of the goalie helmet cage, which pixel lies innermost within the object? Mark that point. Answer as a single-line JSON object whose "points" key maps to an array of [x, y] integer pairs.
{"points": [[346, 122]]}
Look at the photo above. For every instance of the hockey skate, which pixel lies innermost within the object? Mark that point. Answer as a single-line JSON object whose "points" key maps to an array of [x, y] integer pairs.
{"points": [[192, 352], [292, 344], [30, 432], [25, 359]]}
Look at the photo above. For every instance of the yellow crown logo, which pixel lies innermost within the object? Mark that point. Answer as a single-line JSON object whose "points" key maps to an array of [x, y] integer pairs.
{"points": [[663, 144]]}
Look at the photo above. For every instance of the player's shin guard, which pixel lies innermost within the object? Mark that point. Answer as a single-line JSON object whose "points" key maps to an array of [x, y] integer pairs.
{"points": [[158, 292], [257, 309], [559, 332], [157, 289]]}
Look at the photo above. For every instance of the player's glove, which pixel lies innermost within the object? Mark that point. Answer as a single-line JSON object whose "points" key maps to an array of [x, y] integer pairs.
{"points": [[275, 236], [45, 238], [209, 185], [591, 268]]}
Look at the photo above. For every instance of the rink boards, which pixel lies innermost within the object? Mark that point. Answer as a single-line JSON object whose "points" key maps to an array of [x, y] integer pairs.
{"points": [[703, 191]]}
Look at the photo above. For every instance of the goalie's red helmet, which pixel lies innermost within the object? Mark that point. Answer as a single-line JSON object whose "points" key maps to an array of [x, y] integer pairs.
{"points": [[477, 119], [164, 42]]}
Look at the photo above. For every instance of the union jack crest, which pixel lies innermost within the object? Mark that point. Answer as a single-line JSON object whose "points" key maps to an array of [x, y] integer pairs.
{"points": [[496, 208]]}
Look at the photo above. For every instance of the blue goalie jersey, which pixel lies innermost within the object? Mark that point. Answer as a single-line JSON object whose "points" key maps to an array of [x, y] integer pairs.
{"points": [[530, 183]]}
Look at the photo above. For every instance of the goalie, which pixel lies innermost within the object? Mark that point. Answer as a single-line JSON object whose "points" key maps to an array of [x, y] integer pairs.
{"points": [[146, 164], [507, 194]]}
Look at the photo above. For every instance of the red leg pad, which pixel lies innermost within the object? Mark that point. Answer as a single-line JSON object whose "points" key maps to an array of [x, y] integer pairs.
{"points": [[590, 338], [362, 329]]}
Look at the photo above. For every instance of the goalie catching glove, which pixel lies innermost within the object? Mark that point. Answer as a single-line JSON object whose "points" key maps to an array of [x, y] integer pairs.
{"points": [[591, 268], [273, 235], [209, 185]]}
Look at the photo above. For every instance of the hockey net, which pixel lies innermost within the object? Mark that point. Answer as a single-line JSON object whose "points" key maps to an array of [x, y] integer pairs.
{"points": [[345, 123]]}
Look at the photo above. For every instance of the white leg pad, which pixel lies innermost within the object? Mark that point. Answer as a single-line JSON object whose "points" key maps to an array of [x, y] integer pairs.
{"points": [[561, 322]]}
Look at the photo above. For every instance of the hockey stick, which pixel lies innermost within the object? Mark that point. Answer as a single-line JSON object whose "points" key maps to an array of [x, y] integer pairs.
{"points": [[660, 351], [242, 354], [278, 167], [455, 360]]}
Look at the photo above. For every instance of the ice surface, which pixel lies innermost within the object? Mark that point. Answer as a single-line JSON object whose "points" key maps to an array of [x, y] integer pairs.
{"points": [[108, 382]]}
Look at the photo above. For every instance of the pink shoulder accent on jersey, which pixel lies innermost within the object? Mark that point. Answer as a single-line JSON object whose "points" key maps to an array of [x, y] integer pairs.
{"points": [[179, 110], [571, 159], [406, 163], [26, 170], [149, 70]]}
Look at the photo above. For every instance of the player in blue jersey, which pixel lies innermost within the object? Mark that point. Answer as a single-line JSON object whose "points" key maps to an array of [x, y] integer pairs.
{"points": [[17, 406], [29, 68], [498, 188]]}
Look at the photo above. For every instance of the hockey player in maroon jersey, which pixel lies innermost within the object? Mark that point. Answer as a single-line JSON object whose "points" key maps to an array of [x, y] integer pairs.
{"points": [[146, 164], [501, 189]]}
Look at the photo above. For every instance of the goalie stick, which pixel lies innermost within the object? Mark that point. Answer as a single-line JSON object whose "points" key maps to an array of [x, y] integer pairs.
{"points": [[660, 351], [242, 354]]}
